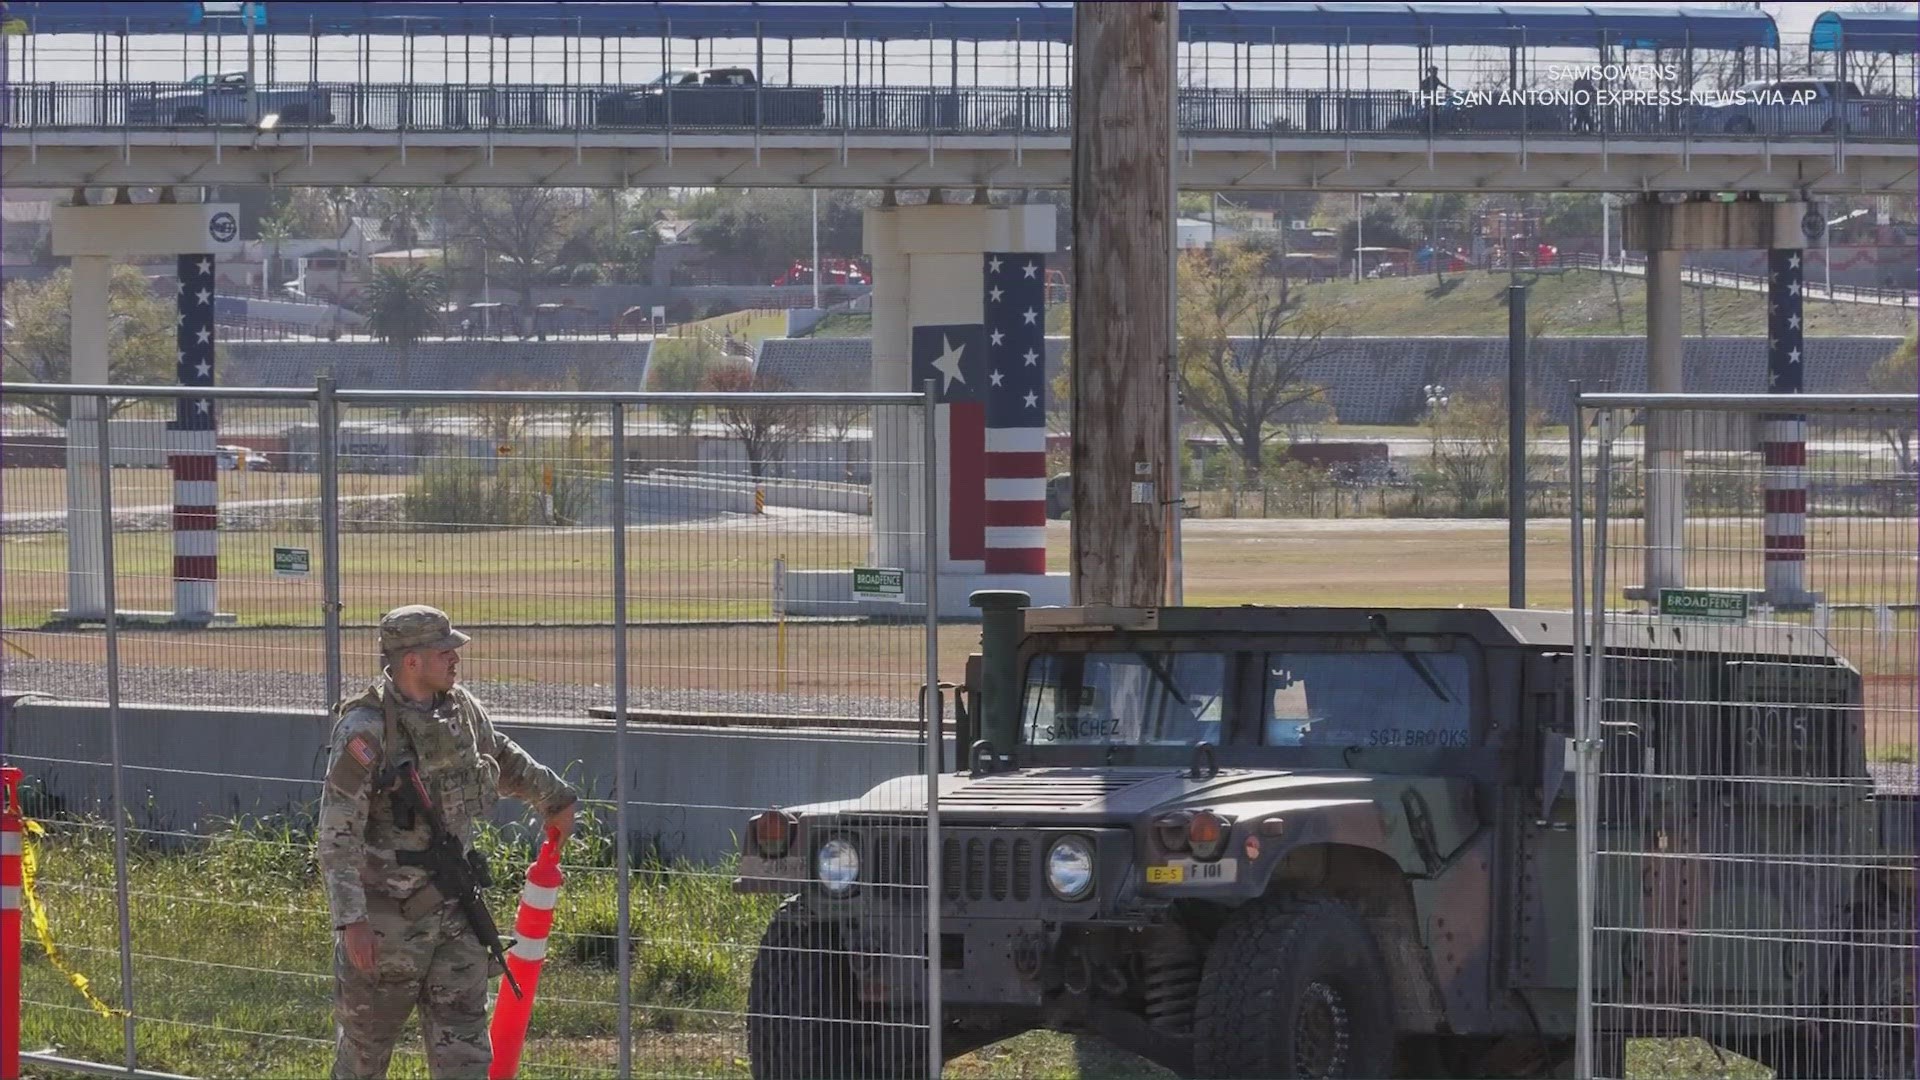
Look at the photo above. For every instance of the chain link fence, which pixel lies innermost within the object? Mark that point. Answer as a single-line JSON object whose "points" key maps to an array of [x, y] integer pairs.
{"points": [[1749, 733], [705, 662]]}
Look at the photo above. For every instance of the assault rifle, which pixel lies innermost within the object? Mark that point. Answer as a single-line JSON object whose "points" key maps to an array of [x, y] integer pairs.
{"points": [[462, 875]]}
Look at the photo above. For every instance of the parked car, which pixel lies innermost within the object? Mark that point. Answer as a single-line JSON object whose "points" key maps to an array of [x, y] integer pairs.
{"points": [[223, 99], [1795, 107], [712, 97]]}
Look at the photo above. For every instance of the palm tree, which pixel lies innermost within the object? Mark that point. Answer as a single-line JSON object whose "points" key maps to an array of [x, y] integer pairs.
{"points": [[403, 215], [404, 305]]}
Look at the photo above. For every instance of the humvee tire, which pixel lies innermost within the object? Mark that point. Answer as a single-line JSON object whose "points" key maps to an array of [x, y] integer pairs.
{"points": [[1294, 987], [801, 984]]}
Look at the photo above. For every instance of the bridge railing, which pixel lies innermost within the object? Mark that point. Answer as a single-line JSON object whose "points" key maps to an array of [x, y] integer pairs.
{"points": [[1264, 112]]}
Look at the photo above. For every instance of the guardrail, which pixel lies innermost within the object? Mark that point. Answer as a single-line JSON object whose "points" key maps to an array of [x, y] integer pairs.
{"points": [[1733, 279], [905, 110]]}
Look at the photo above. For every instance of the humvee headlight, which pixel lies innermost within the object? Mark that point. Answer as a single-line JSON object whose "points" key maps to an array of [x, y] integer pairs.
{"points": [[1070, 868], [838, 865], [1171, 830], [1207, 835]]}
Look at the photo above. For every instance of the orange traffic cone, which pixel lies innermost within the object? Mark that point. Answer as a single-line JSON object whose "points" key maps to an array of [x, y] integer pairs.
{"points": [[509, 1029]]}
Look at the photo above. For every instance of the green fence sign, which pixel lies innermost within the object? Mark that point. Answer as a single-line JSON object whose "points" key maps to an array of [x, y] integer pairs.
{"points": [[873, 583], [1704, 604], [292, 562]]}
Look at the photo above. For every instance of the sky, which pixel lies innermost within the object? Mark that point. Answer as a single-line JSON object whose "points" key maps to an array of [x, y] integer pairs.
{"points": [[172, 59]]}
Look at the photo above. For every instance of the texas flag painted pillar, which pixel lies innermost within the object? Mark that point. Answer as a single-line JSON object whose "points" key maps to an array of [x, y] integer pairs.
{"points": [[1783, 436], [190, 451]]}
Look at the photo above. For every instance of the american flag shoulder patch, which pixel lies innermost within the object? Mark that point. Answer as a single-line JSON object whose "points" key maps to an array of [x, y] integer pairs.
{"points": [[362, 750]]}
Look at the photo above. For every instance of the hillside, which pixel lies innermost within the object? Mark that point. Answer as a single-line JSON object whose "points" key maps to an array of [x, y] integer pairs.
{"points": [[1573, 303]]}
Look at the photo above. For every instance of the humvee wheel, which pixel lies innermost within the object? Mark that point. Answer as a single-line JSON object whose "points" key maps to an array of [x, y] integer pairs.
{"points": [[1294, 988], [799, 1001]]}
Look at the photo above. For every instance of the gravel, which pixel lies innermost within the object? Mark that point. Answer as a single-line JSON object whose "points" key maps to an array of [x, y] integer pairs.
{"points": [[569, 701]]}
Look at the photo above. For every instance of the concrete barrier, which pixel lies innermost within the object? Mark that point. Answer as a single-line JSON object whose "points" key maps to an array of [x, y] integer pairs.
{"points": [[187, 770]]}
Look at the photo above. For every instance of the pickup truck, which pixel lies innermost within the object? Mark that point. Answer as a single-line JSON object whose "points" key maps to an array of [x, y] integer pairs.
{"points": [[1802, 107], [223, 99], [711, 97]]}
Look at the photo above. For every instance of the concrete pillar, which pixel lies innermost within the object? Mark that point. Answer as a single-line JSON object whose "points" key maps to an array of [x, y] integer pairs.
{"points": [[1666, 513], [1783, 436], [1665, 231], [86, 585], [927, 271], [898, 517]]}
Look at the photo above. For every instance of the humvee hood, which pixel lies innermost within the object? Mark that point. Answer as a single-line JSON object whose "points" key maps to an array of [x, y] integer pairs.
{"points": [[1094, 794]]}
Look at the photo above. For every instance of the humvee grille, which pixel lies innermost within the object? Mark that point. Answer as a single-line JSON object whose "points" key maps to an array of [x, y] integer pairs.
{"points": [[1041, 789], [973, 865], [989, 867]]}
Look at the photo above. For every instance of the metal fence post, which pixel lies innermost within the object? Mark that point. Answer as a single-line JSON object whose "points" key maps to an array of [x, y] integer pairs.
{"points": [[1586, 829], [121, 885], [930, 565], [623, 886], [327, 421], [1516, 442]]}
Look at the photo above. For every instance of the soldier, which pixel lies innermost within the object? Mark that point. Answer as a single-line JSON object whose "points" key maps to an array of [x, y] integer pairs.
{"points": [[399, 942]]}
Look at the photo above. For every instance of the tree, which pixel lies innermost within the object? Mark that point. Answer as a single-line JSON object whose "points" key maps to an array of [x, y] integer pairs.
{"points": [[37, 346], [1899, 373], [680, 367], [764, 431], [404, 213], [1468, 461], [525, 226], [403, 307], [775, 225], [1243, 354]]}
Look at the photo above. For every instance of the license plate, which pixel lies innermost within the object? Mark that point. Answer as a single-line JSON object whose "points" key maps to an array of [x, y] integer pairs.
{"points": [[1188, 871]]}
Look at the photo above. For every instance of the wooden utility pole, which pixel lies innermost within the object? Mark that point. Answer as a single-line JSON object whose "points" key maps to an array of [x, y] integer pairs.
{"points": [[1123, 466]]}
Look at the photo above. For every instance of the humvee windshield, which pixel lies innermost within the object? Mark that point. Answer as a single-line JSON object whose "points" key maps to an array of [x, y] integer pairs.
{"points": [[1367, 699], [1123, 699]]}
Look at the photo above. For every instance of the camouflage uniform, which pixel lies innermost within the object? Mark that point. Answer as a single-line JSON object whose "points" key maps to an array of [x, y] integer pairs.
{"points": [[425, 952]]}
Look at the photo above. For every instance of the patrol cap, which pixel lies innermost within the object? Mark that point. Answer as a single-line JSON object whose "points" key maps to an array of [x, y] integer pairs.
{"points": [[418, 626]]}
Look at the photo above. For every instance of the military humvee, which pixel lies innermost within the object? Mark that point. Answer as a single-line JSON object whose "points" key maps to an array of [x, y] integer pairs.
{"points": [[1314, 842]]}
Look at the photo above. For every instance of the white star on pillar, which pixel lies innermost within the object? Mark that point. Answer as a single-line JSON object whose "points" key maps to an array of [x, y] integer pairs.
{"points": [[1773, 343], [996, 377], [948, 363], [1029, 316], [1030, 269], [202, 369], [181, 288], [1793, 262], [181, 355], [203, 296], [202, 405], [1793, 322], [994, 294], [1032, 400], [205, 266], [1031, 357], [203, 336], [1793, 288], [1793, 356], [180, 319], [1773, 379], [996, 337], [993, 265]]}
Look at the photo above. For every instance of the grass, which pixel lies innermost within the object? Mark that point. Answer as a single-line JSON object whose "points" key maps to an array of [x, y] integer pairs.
{"points": [[1576, 303], [233, 976]]}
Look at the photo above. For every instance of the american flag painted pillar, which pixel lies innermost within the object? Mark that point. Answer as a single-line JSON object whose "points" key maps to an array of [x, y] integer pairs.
{"points": [[190, 451], [1016, 414], [1783, 436]]}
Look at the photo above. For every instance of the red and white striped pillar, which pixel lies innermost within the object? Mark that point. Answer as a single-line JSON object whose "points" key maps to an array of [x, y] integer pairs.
{"points": [[191, 454], [12, 880], [1016, 414], [1783, 436]]}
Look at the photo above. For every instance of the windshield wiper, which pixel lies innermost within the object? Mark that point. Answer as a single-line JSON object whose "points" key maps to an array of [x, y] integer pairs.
{"points": [[1419, 666]]}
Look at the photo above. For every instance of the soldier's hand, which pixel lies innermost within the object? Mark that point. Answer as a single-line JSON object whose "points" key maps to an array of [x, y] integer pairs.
{"points": [[359, 942], [561, 821]]}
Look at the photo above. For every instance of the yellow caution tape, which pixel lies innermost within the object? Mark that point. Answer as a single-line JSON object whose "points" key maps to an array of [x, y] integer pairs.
{"points": [[37, 915]]}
